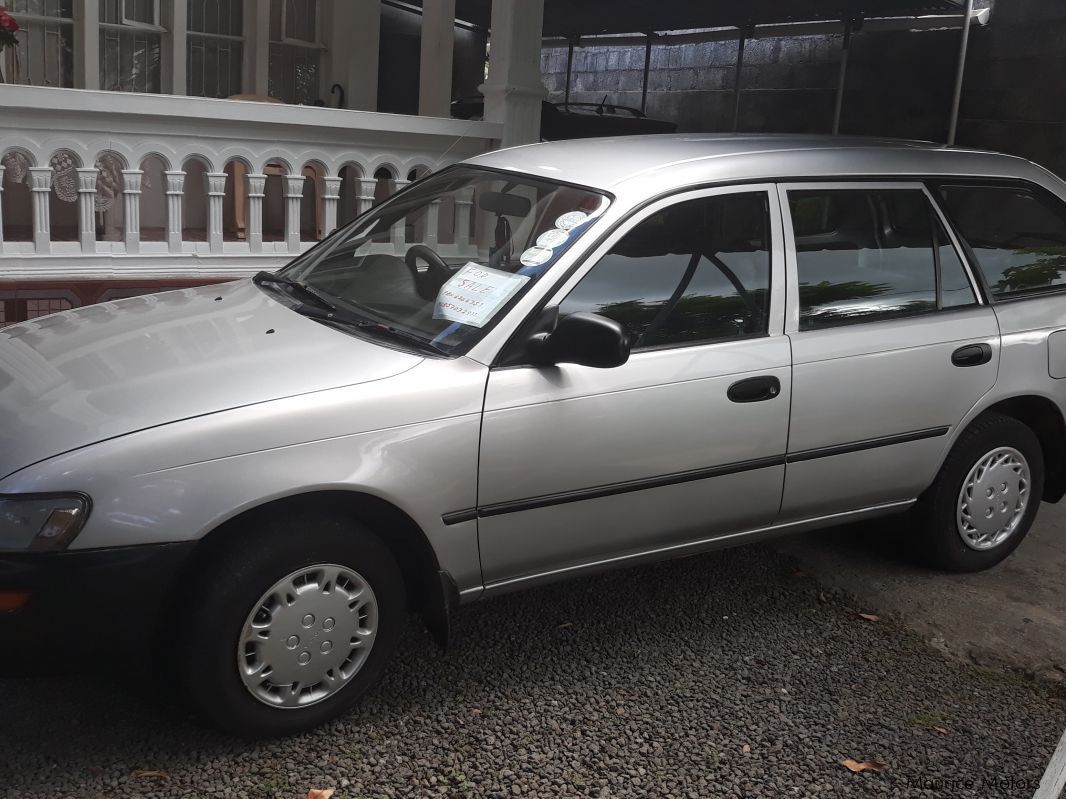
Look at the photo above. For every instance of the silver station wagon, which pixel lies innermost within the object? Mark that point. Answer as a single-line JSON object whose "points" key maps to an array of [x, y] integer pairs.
{"points": [[536, 364]]}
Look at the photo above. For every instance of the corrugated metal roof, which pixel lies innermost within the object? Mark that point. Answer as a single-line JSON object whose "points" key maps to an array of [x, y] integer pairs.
{"points": [[584, 17]]}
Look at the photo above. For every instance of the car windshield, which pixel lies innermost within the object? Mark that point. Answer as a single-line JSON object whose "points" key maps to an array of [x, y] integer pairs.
{"points": [[437, 264]]}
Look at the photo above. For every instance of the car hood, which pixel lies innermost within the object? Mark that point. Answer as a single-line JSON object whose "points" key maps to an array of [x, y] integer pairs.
{"points": [[93, 373]]}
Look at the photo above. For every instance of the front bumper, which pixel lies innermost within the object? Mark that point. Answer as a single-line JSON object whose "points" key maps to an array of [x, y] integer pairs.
{"points": [[70, 610]]}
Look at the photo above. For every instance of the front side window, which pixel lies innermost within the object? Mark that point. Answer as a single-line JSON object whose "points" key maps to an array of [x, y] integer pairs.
{"points": [[130, 45], [869, 254], [216, 30], [44, 53], [295, 51], [694, 272], [437, 264], [1018, 237]]}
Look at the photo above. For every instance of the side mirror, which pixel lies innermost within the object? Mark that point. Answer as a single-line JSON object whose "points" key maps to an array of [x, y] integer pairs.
{"points": [[586, 339]]}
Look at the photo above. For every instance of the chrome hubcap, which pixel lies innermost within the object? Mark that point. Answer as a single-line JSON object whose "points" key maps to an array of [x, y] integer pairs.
{"points": [[307, 636], [993, 499]]}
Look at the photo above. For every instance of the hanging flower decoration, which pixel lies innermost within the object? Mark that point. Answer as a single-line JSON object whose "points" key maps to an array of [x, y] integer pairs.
{"points": [[8, 28]]}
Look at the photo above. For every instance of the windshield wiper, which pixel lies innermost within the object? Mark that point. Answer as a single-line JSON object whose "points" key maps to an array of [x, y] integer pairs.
{"points": [[340, 316], [308, 292], [395, 333]]}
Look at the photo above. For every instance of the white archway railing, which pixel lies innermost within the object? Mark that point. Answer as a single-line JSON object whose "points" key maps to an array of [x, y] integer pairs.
{"points": [[123, 164]]}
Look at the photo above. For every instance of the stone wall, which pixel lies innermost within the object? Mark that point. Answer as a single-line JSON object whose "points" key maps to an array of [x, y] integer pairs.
{"points": [[899, 83]]}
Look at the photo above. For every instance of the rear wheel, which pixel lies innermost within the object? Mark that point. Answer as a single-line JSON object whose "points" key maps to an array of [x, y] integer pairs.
{"points": [[291, 626], [985, 498]]}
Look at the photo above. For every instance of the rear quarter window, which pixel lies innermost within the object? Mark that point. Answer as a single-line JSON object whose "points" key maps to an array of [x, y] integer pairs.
{"points": [[1017, 235]]}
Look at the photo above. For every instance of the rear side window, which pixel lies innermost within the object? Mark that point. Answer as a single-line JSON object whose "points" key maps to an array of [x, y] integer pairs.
{"points": [[865, 255], [1017, 236], [694, 272]]}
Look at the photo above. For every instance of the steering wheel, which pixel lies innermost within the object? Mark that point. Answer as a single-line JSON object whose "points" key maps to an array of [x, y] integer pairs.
{"points": [[429, 280]]}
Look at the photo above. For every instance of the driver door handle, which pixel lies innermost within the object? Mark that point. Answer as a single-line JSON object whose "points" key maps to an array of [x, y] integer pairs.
{"points": [[755, 389]]}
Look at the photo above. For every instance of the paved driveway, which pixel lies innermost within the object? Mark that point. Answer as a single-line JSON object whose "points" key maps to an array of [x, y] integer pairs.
{"points": [[725, 675], [1011, 617]]}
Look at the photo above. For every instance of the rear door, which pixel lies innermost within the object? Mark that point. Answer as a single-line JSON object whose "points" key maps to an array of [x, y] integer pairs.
{"points": [[891, 344]]}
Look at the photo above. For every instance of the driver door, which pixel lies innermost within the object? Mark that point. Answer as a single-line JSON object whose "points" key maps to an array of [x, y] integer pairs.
{"points": [[681, 445]]}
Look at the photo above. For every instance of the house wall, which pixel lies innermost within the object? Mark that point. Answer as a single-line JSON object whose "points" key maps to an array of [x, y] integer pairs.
{"points": [[899, 83]]}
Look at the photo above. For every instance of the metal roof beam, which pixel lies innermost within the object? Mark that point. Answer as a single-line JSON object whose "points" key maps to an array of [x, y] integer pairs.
{"points": [[929, 22]]}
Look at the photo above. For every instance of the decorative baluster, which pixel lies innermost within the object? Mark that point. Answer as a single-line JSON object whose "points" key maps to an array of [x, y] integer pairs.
{"points": [[398, 232], [87, 177], [330, 198], [294, 192], [41, 186], [367, 188], [464, 203], [216, 194], [175, 194], [131, 206], [256, 193]]}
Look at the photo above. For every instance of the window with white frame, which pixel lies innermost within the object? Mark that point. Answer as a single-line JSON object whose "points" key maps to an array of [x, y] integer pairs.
{"points": [[215, 45], [130, 45], [44, 55], [295, 51]]}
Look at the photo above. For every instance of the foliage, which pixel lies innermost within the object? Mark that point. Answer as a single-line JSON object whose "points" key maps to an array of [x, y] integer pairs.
{"points": [[1046, 270], [8, 29]]}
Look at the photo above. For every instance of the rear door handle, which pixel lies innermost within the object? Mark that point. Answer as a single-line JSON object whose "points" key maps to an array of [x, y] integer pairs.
{"points": [[754, 389], [972, 355]]}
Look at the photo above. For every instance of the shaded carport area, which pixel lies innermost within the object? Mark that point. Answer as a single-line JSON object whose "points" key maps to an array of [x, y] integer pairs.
{"points": [[652, 27]]}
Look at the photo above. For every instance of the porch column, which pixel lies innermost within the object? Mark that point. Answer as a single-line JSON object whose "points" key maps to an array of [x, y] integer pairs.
{"points": [[398, 232], [294, 192], [256, 63], [367, 187], [41, 186], [87, 177], [513, 91], [174, 64], [2, 170], [960, 72], [256, 193], [838, 106], [331, 196], [131, 206], [216, 193], [87, 45], [353, 52], [435, 66], [464, 203], [175, 194]]}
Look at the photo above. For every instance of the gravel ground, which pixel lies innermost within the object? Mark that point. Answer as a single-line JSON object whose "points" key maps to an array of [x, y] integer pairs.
{"points": [[727, 675]]}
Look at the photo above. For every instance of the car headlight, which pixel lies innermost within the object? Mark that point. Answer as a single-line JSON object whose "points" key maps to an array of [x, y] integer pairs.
{"points": [[40, 522]]}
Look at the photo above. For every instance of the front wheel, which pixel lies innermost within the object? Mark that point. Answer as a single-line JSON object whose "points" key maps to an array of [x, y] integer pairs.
{"points": [[291, 625], [985, 497]]}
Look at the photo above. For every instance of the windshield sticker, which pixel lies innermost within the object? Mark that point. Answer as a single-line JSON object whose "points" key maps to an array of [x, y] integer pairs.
{"points": [[535, 256], [552, 238], [571, 220], [476, 293]]}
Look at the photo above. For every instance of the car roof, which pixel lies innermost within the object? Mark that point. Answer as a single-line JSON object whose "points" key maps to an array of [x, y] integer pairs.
{"points": [[642, 164]]}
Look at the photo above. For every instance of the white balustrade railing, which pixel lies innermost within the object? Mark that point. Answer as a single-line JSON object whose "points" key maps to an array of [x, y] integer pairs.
{"points": [[104, 185]]}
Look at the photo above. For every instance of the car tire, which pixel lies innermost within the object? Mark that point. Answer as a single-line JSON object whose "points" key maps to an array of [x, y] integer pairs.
{"points": [[275, 601], [985, 496]]}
